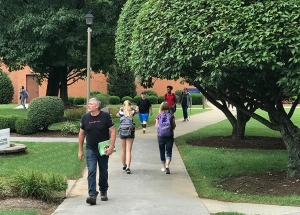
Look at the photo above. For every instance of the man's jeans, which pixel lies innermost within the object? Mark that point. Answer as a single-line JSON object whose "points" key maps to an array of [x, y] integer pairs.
{"points": [[165, 148], [22, 102], [184, 110], [92, 158]]}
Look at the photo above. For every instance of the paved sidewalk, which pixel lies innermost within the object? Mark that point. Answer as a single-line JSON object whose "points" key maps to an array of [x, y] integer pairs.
{"points": [[148, 190]]}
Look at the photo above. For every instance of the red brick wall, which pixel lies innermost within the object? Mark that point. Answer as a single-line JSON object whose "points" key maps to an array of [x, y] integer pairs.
{"points": [[98, 82]]}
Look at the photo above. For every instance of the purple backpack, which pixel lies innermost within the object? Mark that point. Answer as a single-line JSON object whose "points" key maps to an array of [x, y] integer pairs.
{"points": [[164, 128]]}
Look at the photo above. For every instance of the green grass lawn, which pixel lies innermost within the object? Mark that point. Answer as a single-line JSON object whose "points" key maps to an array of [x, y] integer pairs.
{"points": [[19, 212], [207, 166]]}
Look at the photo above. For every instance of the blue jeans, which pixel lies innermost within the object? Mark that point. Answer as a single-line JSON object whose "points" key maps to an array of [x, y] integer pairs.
{"points": [[22, 102], [92, 158], [165, 148], [172, 110], [184, 110]]}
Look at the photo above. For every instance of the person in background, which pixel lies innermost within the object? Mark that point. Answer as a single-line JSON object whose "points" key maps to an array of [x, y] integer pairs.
{"points": [[22, 97], [144, 107], [96, 126], [166, 140], [126, 142], [185, 100], [171, 99]]}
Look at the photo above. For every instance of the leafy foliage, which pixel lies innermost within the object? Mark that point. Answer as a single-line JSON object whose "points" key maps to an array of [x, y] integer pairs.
{"points": [[153, 99], [114, 100], [44, 111], [75, 113], [126, 98], [69, 127], [25, 126], [6, 88], [78, 100]]}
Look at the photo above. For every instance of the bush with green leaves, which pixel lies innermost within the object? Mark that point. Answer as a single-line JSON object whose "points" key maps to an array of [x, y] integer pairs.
{"points": [[151, 93], [104, 98], [71, 99], [37, 184], [153, 99], [75, 113], [160, 99], [94, 92], [11, 120], [196, 98], [45, 111], [126, 98], [114, 100], [137, 98], [3, 122], [69, 127], [113, 112], [6, 88], [25, 126], [78, 100]]}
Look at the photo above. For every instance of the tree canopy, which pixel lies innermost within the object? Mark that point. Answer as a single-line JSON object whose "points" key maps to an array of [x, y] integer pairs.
{"points": [[50, 37], [248, 47]]}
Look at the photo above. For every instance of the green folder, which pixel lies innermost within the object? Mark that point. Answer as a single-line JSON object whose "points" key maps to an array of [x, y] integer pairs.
{"points": [[102, 145]]}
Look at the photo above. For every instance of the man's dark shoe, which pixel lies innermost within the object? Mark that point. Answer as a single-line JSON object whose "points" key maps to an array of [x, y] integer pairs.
{"points": [[104, 196], [91, 200]]}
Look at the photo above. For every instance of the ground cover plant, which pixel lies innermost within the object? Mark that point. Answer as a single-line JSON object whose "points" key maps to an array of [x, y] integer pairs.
{"points": [[251, 170]]}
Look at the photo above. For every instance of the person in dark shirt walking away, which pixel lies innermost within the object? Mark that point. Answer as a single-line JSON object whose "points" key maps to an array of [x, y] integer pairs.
{"points": [[171, 99], [97, 126], [185, 100], [165, 123], [144, 107]]}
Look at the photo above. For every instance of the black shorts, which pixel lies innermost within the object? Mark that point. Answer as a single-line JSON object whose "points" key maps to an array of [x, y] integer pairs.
{"points": [[132, 136]]}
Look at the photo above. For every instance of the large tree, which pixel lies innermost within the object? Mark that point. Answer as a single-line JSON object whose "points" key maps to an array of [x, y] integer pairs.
{"points": [[249, 48], [50, 37], [124, 32]]}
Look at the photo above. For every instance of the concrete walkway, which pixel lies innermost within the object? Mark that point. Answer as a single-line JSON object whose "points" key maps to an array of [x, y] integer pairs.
{"points": [[148, 190]]}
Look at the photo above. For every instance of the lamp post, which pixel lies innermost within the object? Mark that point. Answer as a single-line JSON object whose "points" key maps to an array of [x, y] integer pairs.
{"points": [[89, 21]]}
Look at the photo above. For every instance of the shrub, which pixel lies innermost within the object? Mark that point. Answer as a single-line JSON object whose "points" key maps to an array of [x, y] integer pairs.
{"points": [[3, 122], [45, 111], [38, 185], [153, 99], [196, 98], [104, 98], [75, 113], [160, 99], [114, 100], [137, 98], [113, 112], [24, 126], [6, 89], [126, 98], [151, 93], [94, 92], [11, 120], [70, 127], [78, 100], [71, 99]]}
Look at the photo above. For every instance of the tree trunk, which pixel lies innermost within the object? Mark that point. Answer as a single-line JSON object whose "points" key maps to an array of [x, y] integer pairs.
{"points": [[291, 138], [64, 86], [53, 82], [239, 127]]}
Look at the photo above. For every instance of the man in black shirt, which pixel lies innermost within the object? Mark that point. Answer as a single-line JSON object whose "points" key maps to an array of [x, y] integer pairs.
{"points": [[143, 107], [96, 126]]}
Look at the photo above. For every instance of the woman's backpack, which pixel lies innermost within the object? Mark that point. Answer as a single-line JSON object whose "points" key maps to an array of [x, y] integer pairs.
{"points": [[126, 127], [164, 128]]}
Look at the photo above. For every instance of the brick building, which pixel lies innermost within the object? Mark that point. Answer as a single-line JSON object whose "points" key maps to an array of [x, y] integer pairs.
{"points": [[98, 82]]}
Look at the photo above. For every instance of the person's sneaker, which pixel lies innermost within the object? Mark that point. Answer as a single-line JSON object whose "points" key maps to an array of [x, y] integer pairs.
{"points": [[91, 200], [124, 168], [163, 169], [144, 131], [183, 120], [128, 171], [187, 119], [167, 170], [103, 195]]}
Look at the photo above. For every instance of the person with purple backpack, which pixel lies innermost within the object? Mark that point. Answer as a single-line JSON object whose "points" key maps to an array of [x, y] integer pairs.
{"points": [[165, 123]]}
